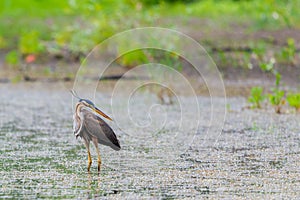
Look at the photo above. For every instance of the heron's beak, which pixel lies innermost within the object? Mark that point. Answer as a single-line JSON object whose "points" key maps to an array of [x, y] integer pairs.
{"points": [[101, 113]]}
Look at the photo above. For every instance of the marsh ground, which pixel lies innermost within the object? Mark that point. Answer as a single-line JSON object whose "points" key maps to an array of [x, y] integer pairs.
{"points": [[255, 155]]}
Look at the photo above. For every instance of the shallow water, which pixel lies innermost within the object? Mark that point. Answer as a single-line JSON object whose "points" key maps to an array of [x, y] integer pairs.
{"points": [[257, 155]]}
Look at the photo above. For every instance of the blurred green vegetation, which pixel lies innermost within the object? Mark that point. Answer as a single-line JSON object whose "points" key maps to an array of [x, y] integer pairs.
{"points": [[71, 28], [294, 100], [35, 29], [276, 99], [257, 97], [82, 24]]}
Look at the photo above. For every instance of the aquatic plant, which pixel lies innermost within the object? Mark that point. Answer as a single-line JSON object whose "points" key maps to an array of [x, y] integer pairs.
{"points": [[256, 97], [276, 98], [293, 100]]}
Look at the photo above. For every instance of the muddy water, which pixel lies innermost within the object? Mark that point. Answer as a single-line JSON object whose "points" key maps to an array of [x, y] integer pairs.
{"points": [[257, 155]]}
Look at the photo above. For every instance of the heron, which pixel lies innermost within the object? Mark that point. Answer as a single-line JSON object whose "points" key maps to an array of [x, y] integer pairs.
{"points": [[89, 126]]}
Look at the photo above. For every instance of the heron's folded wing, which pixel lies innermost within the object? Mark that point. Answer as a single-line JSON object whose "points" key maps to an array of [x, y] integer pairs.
{"points": [[100, 129]]}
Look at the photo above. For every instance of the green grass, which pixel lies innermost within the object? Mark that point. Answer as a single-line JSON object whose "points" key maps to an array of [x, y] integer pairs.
{"points": [[272, 14], [32, 8], [50, 28], [78, 22], [18, 17]]}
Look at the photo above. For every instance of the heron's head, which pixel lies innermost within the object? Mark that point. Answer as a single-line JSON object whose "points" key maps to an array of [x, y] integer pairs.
{"points": [[91, 105]]}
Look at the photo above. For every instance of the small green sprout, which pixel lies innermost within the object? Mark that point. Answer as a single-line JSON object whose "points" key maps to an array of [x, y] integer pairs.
{"points": [[256, 97], [294, 100], [277, 99], [268, 66], [288, 53], [12, 58], [278, 78]]}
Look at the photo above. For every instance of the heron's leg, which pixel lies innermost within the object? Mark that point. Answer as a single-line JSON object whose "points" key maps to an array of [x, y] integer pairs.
{"points": [[95, 141], [87, 145]]}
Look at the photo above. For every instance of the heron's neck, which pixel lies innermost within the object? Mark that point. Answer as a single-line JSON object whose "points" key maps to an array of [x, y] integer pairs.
{"points": [[78, 109], [78, 119]]}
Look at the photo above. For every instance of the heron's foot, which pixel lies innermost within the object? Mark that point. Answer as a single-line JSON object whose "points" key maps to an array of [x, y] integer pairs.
{"points": [[89, 161], [89, 166], [99, 165]]}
